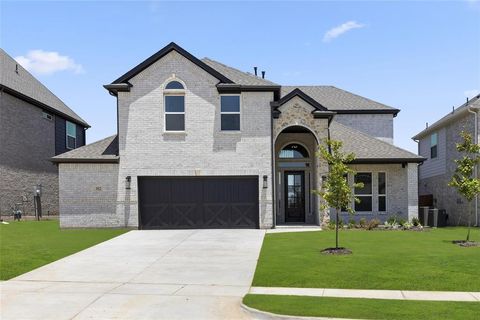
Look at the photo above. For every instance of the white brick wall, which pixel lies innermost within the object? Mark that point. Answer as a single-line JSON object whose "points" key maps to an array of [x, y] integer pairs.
{"points": [[88, 195], [145, 149]]}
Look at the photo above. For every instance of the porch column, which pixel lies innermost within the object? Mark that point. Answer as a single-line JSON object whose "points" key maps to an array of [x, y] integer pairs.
{"points": [[412, 183]]}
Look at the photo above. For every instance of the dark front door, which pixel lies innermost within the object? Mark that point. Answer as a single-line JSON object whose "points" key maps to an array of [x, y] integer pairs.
{"points": [[198, 202], [294, 196]]}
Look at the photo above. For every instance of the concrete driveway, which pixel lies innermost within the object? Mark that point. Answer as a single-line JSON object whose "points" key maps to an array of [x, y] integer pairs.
{"points": [[177, 274]]}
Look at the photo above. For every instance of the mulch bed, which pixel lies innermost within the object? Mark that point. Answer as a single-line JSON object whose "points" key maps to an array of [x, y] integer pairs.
{"points": [[336, 251], [463, 243]]}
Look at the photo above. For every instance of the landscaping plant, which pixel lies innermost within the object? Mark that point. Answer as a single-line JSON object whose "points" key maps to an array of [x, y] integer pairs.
{"points": [[336, 192], [464, 179]]}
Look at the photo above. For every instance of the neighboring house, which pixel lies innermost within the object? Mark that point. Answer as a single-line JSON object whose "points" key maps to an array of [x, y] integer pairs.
{"points": [[204, 145], [437, 143], [35, 125]]}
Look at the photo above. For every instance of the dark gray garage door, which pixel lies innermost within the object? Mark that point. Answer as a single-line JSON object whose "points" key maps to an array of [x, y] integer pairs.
{"points": [[198, 202]]}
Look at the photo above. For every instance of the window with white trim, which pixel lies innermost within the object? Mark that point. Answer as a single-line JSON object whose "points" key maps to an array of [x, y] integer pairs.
{"points": [[364, 194], [174, 102], [230, 112], [382, 191], [71, 140], [433, 145]]}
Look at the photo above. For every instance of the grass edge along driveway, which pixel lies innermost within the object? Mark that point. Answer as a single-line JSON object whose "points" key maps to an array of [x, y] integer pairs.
{"points": [[355, 308], [27, 245], [395, 260]]}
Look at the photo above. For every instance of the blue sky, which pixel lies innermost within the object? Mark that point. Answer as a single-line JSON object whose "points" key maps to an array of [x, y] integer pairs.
{"points": [[420, 57]]}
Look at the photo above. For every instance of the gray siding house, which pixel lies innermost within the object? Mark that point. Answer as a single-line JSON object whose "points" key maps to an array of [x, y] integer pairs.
{"points": [[437, 143], [204, 145], [35, 125]]}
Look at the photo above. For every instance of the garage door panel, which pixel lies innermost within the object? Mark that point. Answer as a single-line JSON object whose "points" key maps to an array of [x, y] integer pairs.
{"points": [[198, 202]]}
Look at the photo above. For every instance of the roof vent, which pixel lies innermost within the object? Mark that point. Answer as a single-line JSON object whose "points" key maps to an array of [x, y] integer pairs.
{"points": [[263, 74], [426, 124], [16, 68], [255, 70]]}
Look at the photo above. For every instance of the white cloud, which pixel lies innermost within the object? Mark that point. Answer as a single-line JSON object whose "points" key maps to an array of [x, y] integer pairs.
{"points": [[471, 93], [341, 29], [48, 62]]}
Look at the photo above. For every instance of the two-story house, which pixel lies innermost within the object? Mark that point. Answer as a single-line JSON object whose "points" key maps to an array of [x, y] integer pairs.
{"points": [[203, 145], [35, 125], [437, 143]]}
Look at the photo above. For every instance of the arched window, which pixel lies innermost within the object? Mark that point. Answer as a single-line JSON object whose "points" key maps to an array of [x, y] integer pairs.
{"points": [[174, 85], [174, 106], [293, 151]]}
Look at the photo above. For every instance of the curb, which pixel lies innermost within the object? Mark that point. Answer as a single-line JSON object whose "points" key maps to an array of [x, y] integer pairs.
{"points": [[264, 315]]}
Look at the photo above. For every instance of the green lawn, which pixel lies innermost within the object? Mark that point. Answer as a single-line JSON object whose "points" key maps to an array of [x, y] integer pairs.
{"points": [[364, 308], [27, 245], [404, 260]]}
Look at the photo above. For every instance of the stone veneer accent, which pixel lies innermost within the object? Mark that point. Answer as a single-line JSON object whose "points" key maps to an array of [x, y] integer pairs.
{"points": [[297, 112]]}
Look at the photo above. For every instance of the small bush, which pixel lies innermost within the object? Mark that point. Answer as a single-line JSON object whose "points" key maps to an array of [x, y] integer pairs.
{"points": [[362, 222], [331, 225], [372, 224], [402, 222], [416, 222], [392, 220], [352, 223]]}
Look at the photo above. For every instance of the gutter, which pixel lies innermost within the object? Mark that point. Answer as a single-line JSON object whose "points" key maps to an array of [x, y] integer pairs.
{"points": [[474, 111]]}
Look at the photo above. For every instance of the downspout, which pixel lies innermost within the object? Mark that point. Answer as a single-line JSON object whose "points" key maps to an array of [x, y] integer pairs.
{"points": [[471, 110]]}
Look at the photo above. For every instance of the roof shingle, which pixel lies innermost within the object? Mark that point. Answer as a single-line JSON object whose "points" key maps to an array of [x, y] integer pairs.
{"points": [[104, 150], [367, 148], [336, 99]]}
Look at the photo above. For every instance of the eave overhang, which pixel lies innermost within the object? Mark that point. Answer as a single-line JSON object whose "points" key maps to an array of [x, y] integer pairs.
{"points": [[387, 160], [83, 160]]}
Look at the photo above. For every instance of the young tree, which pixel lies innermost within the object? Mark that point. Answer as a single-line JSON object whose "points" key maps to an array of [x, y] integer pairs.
{"points": [[464, 179], [335, 191]]}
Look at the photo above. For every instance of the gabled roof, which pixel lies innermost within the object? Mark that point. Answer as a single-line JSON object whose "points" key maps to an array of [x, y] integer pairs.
{"points": [[368, 149], [17, 81], [340, 101], [172, 46], [237, 76], [102, 151], [452, 116]]}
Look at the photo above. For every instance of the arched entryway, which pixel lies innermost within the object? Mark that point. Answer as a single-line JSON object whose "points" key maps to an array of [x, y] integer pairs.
{"points": [[296, 176]]}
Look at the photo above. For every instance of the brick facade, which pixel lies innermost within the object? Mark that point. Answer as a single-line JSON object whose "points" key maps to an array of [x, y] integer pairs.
{"points": [[27, 143]]}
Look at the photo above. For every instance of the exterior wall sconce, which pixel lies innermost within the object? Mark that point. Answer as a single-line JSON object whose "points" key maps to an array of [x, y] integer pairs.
{"points": [[128, 179], [265, 182]]}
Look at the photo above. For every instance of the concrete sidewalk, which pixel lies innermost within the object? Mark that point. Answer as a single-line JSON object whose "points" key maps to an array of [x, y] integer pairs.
{"points": [[370, 294]]}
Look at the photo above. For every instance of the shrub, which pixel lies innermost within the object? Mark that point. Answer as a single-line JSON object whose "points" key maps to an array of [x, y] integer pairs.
{"points": [[351, 223], [391, 220], [331, 225], [362, 222], [416, 222], [402, 222], [372, 224]]}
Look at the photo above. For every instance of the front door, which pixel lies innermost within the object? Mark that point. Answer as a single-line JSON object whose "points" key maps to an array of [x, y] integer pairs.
{"points": [[294, 196]]}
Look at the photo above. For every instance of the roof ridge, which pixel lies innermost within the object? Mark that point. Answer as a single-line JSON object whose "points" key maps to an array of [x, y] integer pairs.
{"points": [[372, 137]]}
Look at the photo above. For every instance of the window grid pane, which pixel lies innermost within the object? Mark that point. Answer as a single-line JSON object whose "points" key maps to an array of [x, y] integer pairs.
{"points": [[230, 122], [230, 104], [174, 103], [175, 122], [174, 85], [71, 129], [366, 179]]}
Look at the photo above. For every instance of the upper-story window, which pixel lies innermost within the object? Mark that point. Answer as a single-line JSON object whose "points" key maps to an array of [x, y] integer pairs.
{"points": [[230, 112], [71, 140], [174, 106], [433, 145]]}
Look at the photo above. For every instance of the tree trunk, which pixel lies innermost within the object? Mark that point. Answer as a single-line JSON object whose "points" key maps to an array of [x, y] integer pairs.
{"points": [[336, 228], [469, 223]]}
